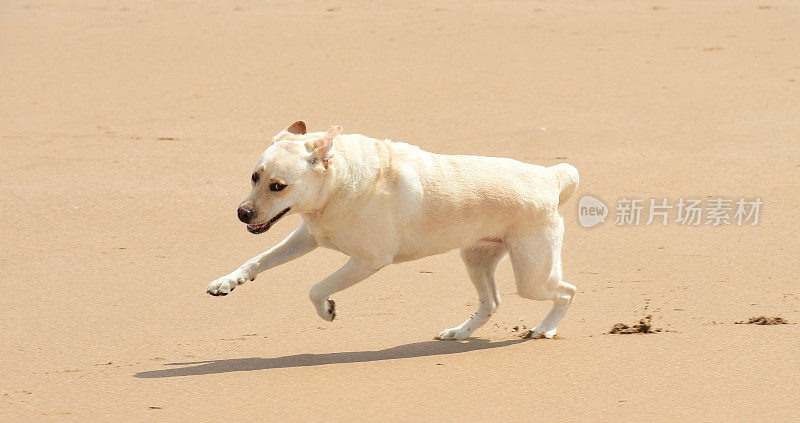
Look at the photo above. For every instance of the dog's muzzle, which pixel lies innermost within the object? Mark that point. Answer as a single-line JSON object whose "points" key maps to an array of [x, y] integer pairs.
{"points": [[263, 227]]}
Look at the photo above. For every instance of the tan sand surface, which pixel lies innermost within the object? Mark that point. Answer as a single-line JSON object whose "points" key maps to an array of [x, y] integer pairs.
{"points": [[129, 128]]}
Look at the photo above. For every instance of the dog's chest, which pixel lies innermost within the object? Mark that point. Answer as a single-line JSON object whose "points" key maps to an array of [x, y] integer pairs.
{"points": [[358, 241], [325, 237]]}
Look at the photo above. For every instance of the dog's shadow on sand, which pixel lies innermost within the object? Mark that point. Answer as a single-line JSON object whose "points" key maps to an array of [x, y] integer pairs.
{"points": [[417, 349]]}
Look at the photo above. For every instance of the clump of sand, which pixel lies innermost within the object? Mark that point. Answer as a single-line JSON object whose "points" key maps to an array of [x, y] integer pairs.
{"points": [[645, 325], [764, 320]]}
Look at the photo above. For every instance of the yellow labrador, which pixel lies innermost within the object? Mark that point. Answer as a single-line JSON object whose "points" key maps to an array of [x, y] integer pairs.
{"points": [[383, 202]]}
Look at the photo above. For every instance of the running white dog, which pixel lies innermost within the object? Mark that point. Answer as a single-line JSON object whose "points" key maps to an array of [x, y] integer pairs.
{"points": [[383, 202]]}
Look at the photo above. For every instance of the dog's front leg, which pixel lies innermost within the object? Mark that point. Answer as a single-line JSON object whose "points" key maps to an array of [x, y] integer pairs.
{"points": [[293, 246], [349, 274]]}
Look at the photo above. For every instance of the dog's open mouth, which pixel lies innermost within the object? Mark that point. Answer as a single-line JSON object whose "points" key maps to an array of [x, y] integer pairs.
{"points": [[263, 227]]}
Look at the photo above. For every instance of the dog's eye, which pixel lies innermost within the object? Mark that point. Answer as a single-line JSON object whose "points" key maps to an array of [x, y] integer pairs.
{"points": [[254, 177], [276, 186]]}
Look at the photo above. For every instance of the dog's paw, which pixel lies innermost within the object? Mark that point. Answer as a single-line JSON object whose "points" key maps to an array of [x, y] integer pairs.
{"points": [[226, 284], [536, 333], [453, 333], [327, 310]]}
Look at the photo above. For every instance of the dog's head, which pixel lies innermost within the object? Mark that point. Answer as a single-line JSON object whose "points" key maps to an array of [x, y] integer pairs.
{"points": [[288, 177]]}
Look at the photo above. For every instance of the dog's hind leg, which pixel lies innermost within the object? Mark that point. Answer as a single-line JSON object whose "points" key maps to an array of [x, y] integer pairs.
{"points": [[536, 260], [481, 262]]}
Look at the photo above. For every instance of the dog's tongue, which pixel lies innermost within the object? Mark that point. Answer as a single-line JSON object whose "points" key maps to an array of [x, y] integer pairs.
{"points": [[258, 228]]}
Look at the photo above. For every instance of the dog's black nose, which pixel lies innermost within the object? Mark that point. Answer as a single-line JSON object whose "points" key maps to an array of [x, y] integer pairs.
{"points": [[245, 214]]}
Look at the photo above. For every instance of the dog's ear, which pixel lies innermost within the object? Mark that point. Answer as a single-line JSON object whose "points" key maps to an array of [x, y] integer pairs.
{"points": [[297, 128], [322, 146]]}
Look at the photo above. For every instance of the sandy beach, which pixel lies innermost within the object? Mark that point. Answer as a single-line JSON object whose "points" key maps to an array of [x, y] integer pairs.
{"points": [[129, 131]]}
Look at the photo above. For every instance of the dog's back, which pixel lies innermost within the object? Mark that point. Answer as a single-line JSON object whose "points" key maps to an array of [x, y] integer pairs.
{"points": [[434, 203]]}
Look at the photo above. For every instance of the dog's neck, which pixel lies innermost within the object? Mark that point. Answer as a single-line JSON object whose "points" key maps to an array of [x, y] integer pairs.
{"points": [[347, 182]]}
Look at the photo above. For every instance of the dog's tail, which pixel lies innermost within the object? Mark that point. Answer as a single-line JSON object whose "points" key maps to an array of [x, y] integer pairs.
{"points": [[567, 177]]}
